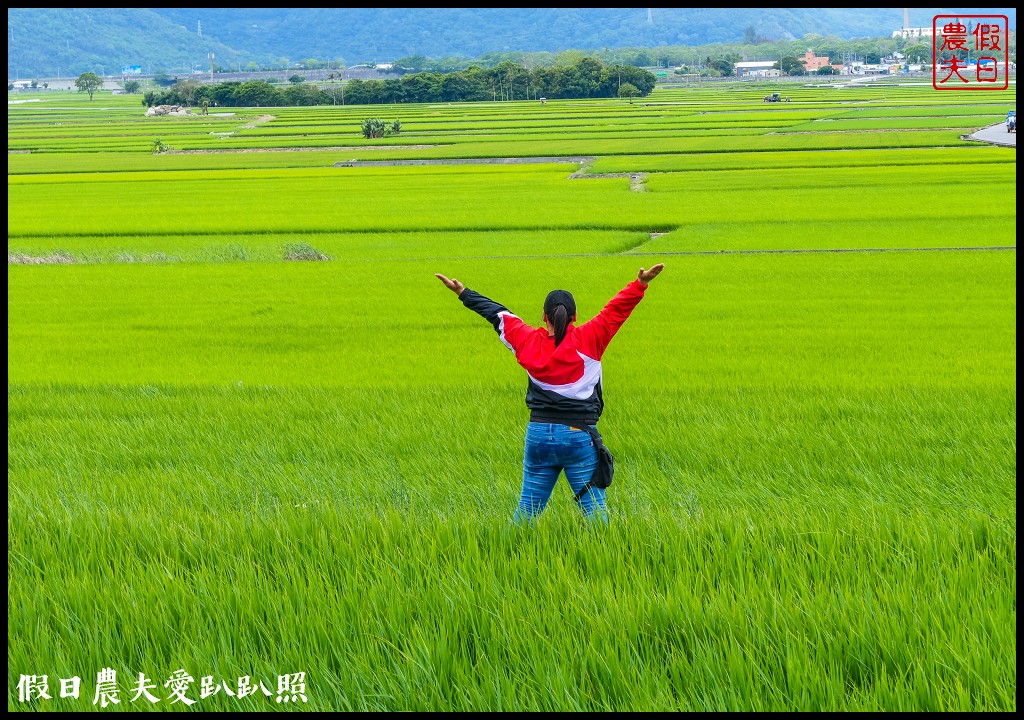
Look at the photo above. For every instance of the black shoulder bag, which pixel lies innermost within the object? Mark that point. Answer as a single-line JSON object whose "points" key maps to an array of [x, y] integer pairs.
{"points": [[605, 469]]}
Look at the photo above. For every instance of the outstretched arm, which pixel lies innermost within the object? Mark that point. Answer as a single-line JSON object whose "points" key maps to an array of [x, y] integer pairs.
{"points": [[599, 330], [476, 302], [510, 328]]}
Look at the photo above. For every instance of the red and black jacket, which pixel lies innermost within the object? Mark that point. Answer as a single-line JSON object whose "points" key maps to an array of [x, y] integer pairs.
{"points": [[564, 381]]}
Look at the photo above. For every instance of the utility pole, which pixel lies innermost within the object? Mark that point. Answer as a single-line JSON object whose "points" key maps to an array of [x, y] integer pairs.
{"points": [[199, 27]]}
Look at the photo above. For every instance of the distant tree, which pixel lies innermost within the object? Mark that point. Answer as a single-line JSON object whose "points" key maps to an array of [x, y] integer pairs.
{"points": [[392, 91], [569, 57], [455, 88], [722, 65], [301, 94], [132, 86], [256, 93], [335, 91], [186, 90], [827, 70], [296, 79], [790, 65], [640, 59], [917, 52], [629, 90], [750, 35], [416, 63], [588, 71], [89, 82]]}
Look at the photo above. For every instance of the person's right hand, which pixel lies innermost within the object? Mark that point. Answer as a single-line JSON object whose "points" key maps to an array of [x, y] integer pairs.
{"points": [[645, 276], [454, 285]]}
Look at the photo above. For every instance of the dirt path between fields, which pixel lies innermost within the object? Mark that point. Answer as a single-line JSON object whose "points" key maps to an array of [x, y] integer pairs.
{"points": [[258, 121], [637, 181], [637, 251], [577, 160], [335, 148]]}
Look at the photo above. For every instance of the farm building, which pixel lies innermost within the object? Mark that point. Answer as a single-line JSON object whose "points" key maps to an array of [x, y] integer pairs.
{"points": [[812, 62], [753, 68]]}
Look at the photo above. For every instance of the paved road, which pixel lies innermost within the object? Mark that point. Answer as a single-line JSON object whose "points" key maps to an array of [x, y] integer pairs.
{"points": [[997, 135]]}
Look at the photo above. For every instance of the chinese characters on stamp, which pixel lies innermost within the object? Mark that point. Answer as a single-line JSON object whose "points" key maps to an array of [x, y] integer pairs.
{"points": [[970, 52]]}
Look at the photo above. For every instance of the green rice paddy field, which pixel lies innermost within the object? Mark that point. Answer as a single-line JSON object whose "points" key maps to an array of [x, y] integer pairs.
{"points": [[250, 433]]}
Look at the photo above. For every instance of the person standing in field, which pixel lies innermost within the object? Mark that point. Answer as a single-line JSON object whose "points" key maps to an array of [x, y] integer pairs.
{"points": [[563, 364]]}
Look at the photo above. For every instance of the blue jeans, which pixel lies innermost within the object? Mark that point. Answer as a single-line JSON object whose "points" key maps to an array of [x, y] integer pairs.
{"points": [[551, 448]]}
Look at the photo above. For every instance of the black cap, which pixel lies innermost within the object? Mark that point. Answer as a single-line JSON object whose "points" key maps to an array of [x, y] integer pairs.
{"points": [[556, 298]]}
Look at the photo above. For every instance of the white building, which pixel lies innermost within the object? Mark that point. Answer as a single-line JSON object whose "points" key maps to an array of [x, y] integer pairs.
{"points": [[911, 33], [753, 68]]}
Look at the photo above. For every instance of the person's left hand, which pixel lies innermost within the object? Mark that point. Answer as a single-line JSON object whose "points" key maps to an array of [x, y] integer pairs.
{"points": [[454, 285]]}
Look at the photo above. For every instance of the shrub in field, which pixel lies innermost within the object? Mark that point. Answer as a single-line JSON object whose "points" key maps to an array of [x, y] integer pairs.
{"points": [[377, 128], [303, 251], [160, 147]]}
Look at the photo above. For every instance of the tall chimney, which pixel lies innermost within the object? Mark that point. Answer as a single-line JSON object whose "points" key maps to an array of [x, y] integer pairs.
{"points": [[906, 18]]}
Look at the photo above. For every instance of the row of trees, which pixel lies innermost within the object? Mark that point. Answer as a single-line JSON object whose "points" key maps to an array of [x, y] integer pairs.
{"points": [[588, 78]]}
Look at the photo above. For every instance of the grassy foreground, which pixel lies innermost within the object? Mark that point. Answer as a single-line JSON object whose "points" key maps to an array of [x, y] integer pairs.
{"points": [[815, 504]]}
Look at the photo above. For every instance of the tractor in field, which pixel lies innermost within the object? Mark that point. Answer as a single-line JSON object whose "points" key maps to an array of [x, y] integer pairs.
{"points": [[774, 97], [1011, 121]]}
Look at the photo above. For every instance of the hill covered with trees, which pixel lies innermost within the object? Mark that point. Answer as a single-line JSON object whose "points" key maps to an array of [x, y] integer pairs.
{"points": [[68, 41]]}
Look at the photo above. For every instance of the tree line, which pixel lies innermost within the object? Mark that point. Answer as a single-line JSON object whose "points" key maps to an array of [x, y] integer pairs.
{"points": [[587, 78]]}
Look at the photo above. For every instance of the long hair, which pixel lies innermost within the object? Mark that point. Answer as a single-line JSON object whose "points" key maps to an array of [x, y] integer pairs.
{"points": [[560, 322]]}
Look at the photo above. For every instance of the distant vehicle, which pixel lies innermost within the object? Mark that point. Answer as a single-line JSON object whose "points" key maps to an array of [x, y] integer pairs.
{"points": [[1011, 121], [774, 97]]}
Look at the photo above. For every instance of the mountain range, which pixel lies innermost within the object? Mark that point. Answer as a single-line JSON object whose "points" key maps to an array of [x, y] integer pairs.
{"points": [[68, 41]]}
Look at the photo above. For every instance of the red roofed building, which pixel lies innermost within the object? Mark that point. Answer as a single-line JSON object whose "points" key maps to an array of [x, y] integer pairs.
{"points": [[813, 62]]}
